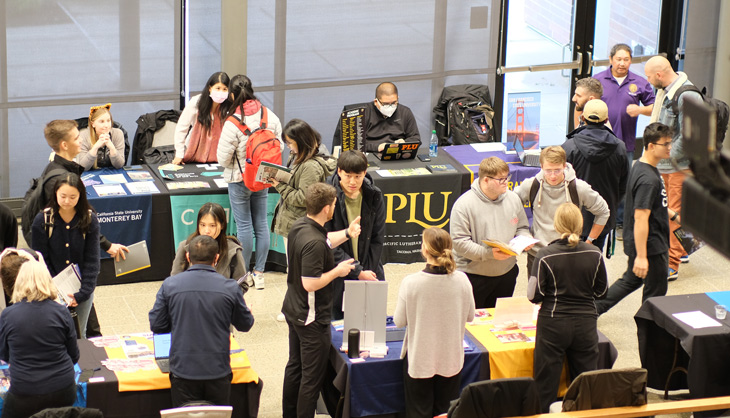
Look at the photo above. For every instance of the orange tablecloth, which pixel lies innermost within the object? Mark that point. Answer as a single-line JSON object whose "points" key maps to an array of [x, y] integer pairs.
{"points": [[509, 359], [155, 379]]}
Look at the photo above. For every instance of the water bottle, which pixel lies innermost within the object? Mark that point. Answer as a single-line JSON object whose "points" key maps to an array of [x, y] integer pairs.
{"points": [[433, 146]]}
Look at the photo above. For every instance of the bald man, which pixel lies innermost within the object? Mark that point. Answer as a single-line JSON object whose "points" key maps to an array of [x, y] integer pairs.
{"points": [[661, 75], [387, 121]]}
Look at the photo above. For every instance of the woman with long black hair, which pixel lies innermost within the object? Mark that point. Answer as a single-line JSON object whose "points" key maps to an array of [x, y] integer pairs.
{"points": [[249, 207], [67, 232], [199, 127]]}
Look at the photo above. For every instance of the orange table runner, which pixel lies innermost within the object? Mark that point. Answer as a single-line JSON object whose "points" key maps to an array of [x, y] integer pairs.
{"points": [[514, 359], [154, 379]]}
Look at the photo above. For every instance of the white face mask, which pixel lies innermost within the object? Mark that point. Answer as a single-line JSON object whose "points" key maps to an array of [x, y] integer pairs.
{"points": [[218, 96], [387, 110]]}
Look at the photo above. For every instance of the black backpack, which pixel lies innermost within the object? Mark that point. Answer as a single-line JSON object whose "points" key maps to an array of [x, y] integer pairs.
{"points": [[463, 115], [35, 200], [470, 122], [721, 108]]}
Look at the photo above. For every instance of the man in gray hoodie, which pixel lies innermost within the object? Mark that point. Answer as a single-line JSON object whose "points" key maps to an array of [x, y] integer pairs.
{"points": [[488, 211], [558, 184]]}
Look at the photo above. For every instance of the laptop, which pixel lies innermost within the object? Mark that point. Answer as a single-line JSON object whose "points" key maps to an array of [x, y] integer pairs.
{"points": [[393, 152], [161, 343], [528, 158]]}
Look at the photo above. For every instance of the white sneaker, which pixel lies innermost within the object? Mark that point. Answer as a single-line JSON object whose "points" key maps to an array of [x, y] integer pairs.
{"points": [[258, 280], [280, 317], [249, 279]]}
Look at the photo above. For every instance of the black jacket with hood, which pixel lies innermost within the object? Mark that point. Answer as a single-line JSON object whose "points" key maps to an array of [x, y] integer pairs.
{"points": [[599, 158], [370, 241]]}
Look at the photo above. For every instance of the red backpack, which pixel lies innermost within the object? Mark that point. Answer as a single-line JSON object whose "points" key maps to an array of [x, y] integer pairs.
{"points": [[262, 145]]}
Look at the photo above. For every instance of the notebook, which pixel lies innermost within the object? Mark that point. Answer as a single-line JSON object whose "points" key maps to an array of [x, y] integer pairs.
{"points": [[137, 258], [528, 159], [161, 343], [393, 152]]}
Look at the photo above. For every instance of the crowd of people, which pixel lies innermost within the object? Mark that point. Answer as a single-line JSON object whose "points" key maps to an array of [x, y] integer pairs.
{"points": [[332, 216]]}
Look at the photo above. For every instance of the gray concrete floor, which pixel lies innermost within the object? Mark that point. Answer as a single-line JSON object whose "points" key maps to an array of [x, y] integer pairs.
{"points": [[123, 309]]}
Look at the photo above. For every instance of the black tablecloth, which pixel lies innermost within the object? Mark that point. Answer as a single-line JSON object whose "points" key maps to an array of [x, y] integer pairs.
{"points": [[160, 248], [147, 404], [416, 202], [704, 351]]}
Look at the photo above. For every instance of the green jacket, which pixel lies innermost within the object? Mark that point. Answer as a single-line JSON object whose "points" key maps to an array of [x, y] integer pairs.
{"points": [[292, 204]]}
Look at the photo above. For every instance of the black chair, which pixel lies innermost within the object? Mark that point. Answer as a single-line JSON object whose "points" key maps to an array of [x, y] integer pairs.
{"points": [[497, 398], [69, 412], [606, 388]]}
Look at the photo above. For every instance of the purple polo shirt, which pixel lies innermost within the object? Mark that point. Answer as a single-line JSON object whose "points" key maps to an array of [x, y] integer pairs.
{"points": [[633, 90]]}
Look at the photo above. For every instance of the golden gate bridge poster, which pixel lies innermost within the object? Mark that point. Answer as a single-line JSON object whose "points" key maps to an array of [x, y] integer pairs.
{"points": [[523, 119]]}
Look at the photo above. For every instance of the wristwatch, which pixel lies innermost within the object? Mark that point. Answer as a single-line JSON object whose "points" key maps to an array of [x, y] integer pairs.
{"points": [[674, 217], [347, 234], [589, 240]]}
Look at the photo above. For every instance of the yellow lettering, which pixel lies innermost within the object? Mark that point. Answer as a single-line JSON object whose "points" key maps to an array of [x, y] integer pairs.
{"points": [[389, 197], [392, 206], [427, 209]]}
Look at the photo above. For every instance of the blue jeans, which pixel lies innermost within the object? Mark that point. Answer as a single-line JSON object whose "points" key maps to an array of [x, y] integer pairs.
{"points": [[82, 310], [249, 211]]}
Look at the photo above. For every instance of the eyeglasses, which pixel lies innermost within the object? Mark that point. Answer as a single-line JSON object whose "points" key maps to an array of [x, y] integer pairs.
{"points": [[388, 104], [666, 144], [503, 180], [552, 172]]}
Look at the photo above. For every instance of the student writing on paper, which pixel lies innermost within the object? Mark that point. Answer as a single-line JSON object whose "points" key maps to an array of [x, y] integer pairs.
{"points": [[567, 277], [488, 211], [38, 339], [434, 305], [212, 221], [68, 232]]}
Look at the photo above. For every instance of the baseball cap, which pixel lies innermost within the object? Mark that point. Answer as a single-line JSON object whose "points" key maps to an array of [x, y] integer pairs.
{"points": [[595, 111]]}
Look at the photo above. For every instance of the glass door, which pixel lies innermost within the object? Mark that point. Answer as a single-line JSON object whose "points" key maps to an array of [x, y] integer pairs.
{"points": [[639, 31], [547, 46], [541, 59]]}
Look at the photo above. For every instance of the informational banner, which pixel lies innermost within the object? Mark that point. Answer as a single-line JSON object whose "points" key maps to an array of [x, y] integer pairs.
{"points": [[184, 209], [124, 220], [408, 212], [523, 119], [353, 129]]}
